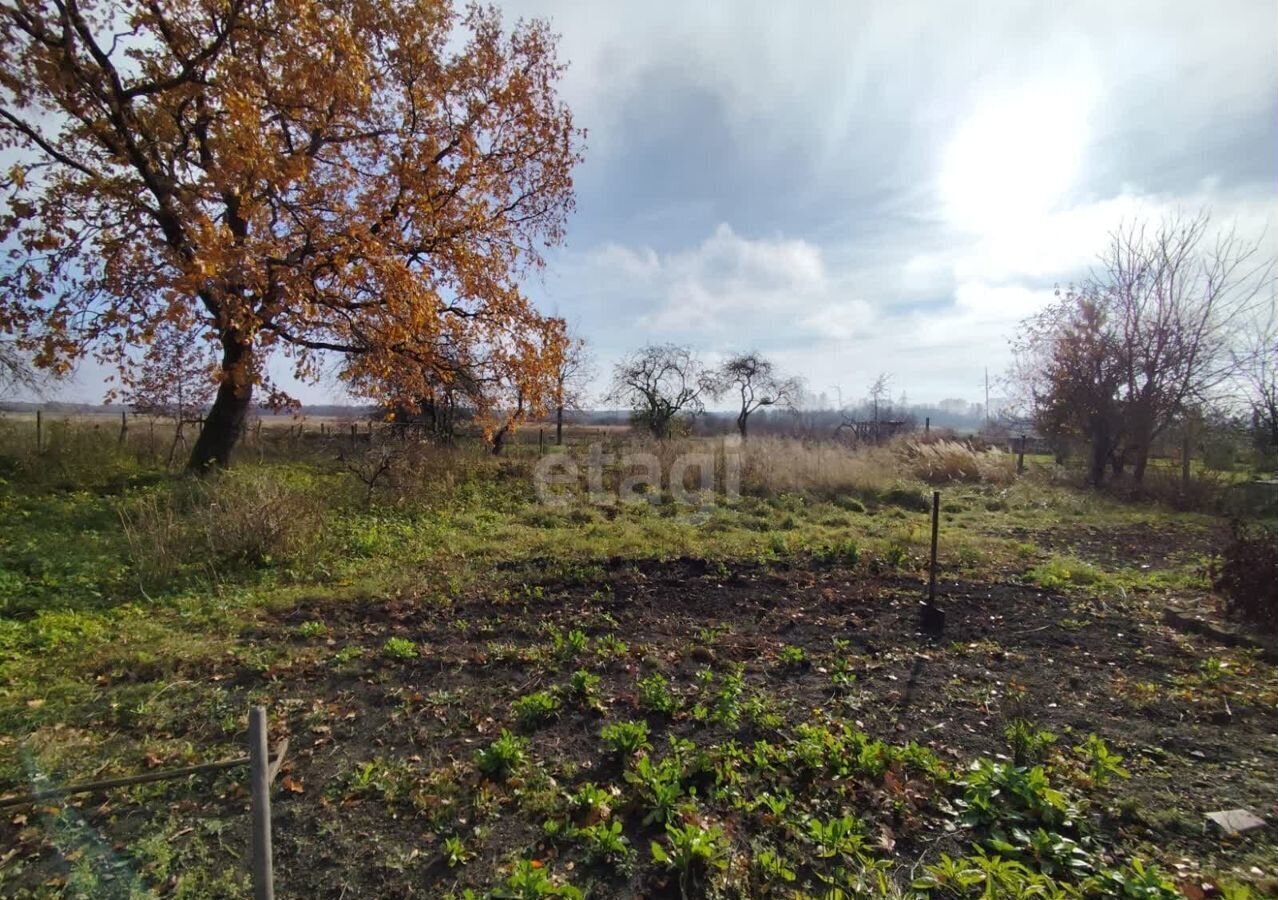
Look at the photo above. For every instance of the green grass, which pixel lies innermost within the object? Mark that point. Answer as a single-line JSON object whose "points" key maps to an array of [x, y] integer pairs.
{"points": [[104, 636]]}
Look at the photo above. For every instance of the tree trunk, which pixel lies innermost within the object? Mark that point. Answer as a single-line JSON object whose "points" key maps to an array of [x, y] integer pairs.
{"points": [[1100, 456], [226, 418], [559, 425], [1142, 460], [741, 424]]}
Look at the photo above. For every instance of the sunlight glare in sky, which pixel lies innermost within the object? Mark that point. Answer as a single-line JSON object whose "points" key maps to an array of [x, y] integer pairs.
{"points": [[1013, 160]]}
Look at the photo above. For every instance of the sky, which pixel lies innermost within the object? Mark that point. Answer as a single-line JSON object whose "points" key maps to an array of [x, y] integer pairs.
{"points": [[854, 188]]}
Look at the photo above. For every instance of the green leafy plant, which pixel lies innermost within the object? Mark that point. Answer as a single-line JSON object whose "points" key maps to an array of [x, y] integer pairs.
{"points": [[1028, 743], [655, 695], [611, 647], [1101, 763], [591, 800], [626, 738], [772, 866], [997, 792], [659, 785], [949, 876], [791, 657], [455, 852], [840, 836], [399, 648], [504, 756], [529, 881], [846, 552], [604, 842], [311, 629], [693, 851], [535, 708], [1134, 881], [583, 688], [896, 556]]}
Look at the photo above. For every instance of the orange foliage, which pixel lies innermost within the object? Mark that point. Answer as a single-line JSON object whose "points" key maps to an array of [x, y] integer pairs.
{"points": [[297, 175]]}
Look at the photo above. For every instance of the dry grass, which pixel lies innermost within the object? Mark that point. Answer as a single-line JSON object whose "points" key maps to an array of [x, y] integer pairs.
{"points": [[248, 517], [781, 465], [949, 462]]}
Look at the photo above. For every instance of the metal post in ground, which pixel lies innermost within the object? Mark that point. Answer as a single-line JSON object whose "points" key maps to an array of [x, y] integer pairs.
{"points": [[931, 618], [260, 809]]}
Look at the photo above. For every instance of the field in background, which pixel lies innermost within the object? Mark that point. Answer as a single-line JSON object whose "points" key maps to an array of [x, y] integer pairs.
{"points": [[745, 677]]}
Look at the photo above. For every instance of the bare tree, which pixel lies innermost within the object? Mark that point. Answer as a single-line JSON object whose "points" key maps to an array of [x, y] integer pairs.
{"points": [[754, 380], [1180, 296], [1257, 362], [175, 379], [572, 374], [16, 373], [1148, 335], [880, 390], [660, 383]]}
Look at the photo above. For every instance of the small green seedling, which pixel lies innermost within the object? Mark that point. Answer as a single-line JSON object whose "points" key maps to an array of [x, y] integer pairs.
{"points": [[626, 738], [504, 756], [399, 648], [533, 709]]}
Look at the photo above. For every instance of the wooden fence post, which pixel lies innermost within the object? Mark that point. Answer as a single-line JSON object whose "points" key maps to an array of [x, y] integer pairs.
{"points": [[927, 426], [1020, 456], [260, 809], [39, 432], [541, 442], [1185, 450], [124, 425]]}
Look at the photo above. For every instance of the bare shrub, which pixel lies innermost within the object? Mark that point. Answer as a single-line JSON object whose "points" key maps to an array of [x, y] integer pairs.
{"points": [[1205, 491], [946, 462], [254, 516], [1248, 575], [235, 519]]}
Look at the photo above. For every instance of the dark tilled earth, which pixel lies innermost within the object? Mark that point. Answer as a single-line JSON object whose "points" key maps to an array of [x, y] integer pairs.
{"points": [[1070, 664]]}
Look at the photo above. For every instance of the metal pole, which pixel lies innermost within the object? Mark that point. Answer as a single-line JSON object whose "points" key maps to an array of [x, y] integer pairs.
{"points": [[260, 811], [936, 523]]}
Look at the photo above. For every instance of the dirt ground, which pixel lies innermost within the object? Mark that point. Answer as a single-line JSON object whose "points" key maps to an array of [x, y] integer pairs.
{"points": [[1073, 666]]}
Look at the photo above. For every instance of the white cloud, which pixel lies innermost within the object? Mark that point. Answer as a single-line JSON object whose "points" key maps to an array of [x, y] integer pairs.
{"points": [[730, 285]]}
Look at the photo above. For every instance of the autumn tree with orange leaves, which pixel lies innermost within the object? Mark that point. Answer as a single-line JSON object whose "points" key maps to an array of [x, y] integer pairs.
{"points": [[365, 177]]}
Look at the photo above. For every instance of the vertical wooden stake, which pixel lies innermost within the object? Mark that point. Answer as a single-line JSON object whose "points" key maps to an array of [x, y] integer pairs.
{"points": [[354, 434], [124, 425], [541, 442], [1020, 456], [39, 432], [936, 524], [260, 809], [927, 425], [1184, 459]]}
